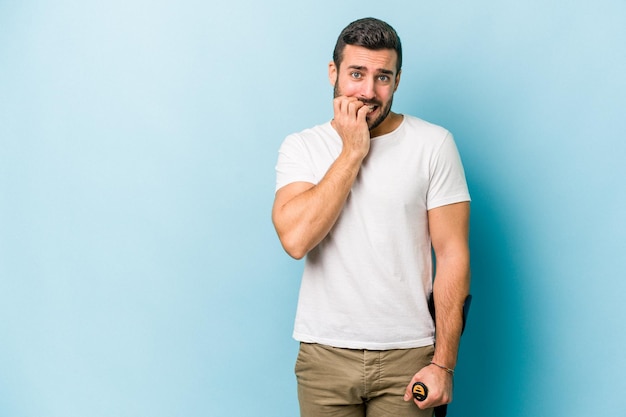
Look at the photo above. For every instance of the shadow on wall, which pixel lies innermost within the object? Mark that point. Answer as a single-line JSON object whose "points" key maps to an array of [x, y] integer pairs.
{"points": [[497, 348]]}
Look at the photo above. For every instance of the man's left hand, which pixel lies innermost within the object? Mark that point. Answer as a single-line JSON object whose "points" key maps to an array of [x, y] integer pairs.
{"points": [[439, 383]]}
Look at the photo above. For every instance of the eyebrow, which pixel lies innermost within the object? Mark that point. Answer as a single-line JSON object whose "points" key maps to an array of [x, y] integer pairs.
{"points": [[380, 70]]}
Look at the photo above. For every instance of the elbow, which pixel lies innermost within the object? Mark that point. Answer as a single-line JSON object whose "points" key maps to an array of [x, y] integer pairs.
{"points": [[292, 238], [297, 255], [294, 248], [293, 242]]}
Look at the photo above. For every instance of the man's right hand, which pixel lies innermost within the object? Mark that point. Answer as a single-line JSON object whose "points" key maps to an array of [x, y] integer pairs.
{"points": [[304, 213], [350, 122]]}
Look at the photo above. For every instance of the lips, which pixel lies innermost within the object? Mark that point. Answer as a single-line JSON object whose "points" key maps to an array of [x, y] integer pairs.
{"points": [[371, 104]]}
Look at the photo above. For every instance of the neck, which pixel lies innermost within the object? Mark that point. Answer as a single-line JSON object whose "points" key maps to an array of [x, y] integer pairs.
{"points": [[391, 123]]}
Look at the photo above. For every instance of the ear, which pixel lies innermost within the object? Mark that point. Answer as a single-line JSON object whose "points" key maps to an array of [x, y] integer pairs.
{"points": [[332, 73], [397, 80]]}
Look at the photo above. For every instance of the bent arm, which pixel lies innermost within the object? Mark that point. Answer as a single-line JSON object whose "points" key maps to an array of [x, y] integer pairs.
{"points": [[449, 230], [304, 213]]}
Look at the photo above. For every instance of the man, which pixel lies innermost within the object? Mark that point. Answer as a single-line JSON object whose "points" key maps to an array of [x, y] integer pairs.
{"points": [[364, 197]]}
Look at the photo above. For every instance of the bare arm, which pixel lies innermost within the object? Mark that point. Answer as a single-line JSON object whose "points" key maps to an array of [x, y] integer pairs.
{"points": [[449, 230], [304, 213]]}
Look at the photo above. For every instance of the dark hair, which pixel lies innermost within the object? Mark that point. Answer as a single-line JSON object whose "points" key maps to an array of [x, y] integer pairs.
{"points": [[369, 33]]}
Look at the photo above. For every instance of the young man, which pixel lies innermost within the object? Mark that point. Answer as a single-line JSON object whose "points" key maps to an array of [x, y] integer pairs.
{"points": [[365, 197]]}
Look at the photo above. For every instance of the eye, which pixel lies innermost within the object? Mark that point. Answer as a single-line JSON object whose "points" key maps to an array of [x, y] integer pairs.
{"points": [[355, 74], [383, 78]]}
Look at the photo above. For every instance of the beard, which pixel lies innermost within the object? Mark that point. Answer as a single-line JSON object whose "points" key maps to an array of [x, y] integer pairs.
{"points": [[384, 109]]}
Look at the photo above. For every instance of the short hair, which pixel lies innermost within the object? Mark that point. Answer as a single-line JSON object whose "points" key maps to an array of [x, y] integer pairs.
{"points": [[370, 33]]}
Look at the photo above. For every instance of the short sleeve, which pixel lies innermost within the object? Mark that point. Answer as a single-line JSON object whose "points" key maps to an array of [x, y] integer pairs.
{"points": [[447, 176], [294, 163]]}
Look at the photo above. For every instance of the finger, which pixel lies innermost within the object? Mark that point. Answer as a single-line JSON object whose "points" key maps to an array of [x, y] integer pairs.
{"points": [[422, 405], [351, 107], [407, 392], [363, 112], [337, 105]]}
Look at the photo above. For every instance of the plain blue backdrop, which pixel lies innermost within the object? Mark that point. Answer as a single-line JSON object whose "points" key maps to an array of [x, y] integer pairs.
{"points": [[139, 271]]}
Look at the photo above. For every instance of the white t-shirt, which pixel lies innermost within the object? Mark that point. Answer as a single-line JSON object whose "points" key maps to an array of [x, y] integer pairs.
{"points": [[366, 284]]}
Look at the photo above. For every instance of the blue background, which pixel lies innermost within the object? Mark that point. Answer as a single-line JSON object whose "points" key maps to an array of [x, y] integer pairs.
{"points": [[139, 271]]}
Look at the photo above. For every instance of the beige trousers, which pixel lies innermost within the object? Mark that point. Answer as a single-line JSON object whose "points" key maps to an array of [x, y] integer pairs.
{"points": [[335, 382]]}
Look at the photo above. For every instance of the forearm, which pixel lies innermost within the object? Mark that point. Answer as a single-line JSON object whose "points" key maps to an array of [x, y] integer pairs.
{"points": [[451, 287], [304, 214], [303, 220]]}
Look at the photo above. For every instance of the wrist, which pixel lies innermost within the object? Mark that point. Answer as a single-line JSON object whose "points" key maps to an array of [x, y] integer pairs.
{"points": [[354, 155], [450, 371]]}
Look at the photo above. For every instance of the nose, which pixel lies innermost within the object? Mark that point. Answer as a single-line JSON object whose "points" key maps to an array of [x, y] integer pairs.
{"points": [[367, 89]]}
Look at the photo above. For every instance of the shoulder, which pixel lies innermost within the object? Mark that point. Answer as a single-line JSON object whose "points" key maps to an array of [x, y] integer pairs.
{"points": [[425, 129], [313, 139], [314, 133]]}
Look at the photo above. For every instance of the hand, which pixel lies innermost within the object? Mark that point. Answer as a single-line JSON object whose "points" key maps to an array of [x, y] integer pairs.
{"points": [[351, 124], [439, 384]]}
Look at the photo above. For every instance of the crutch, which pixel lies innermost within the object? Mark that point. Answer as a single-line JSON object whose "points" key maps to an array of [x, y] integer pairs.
{"points": [[420, 390]]}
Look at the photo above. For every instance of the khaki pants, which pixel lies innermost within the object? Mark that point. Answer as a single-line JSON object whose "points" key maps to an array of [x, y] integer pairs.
{"points": [[334, 382]]}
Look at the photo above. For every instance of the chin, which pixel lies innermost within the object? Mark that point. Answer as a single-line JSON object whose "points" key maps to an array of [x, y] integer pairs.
{"points": [[374, 123]]}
